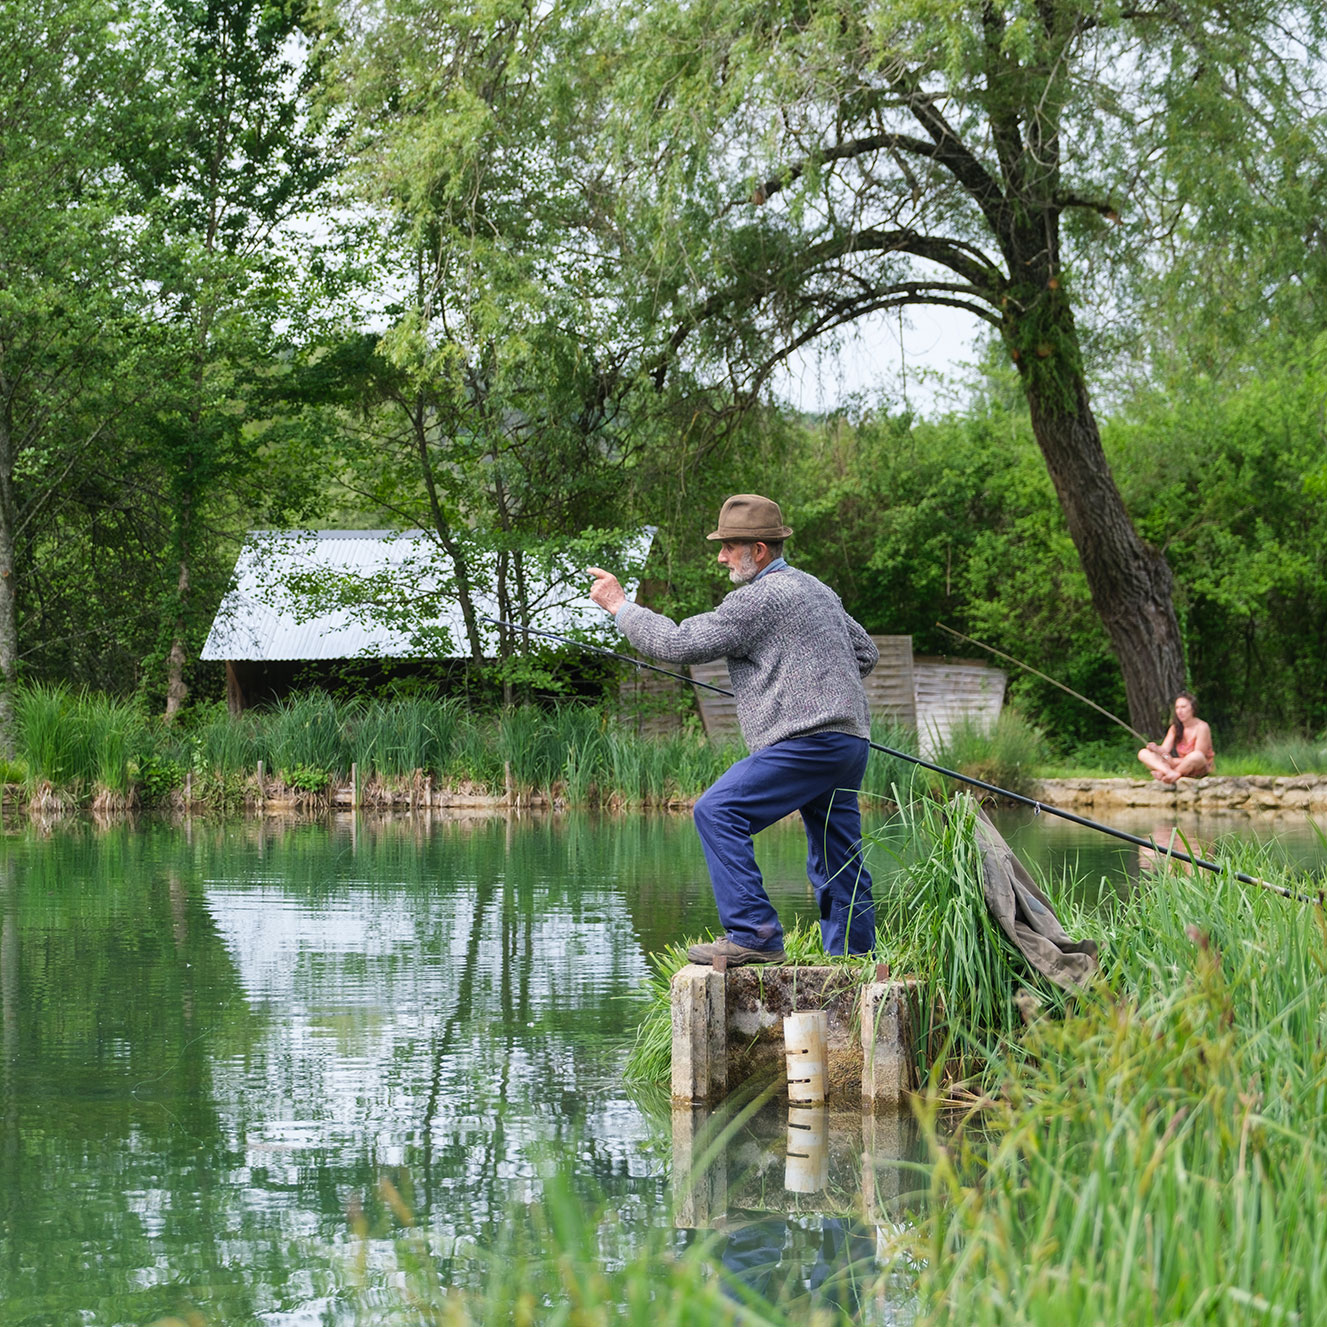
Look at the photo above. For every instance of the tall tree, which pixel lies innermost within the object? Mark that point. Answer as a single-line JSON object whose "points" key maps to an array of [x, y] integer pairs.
{"points": [[489, 408], [242, 160], [799, 165], [74, 86]]}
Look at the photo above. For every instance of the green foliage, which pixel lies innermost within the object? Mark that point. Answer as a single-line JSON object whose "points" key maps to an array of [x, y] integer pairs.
{"points": [[893, 778], [1007, 753], [305, 778], [158, 777], [955, 522], [309, 730], [1221, 474]]}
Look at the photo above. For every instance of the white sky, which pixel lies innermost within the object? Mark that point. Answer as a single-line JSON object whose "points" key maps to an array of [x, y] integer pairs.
{"points": [[912, 365]]}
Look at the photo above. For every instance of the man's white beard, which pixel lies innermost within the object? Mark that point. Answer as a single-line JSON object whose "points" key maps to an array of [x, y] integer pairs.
{"points": [[745, 571]]}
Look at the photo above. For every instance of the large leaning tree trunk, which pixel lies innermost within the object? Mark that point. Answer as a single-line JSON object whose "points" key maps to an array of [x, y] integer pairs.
{"points": [[1131, 583], [840, 161]]}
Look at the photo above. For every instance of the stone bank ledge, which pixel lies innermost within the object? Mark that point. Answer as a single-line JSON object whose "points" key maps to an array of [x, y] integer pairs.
{"points": [[1296, 794]]}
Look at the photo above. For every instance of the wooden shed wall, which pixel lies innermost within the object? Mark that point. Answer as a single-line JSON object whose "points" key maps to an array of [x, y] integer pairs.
{"points": [[949, 690]]}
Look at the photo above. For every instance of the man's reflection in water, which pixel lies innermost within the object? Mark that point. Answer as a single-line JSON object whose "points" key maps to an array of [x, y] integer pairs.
{"points": [[830, 1259]]}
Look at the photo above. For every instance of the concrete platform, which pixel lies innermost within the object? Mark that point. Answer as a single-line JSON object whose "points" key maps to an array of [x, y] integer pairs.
{"points": [[728, 1029]]}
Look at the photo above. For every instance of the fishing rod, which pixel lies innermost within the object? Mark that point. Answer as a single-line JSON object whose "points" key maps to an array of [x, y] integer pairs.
{"points": [[599, 649], [1000, 654], [1037, 806]]}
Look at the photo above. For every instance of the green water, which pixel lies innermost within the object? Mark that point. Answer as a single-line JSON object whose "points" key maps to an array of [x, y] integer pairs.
{"points": [[217, 1039]]}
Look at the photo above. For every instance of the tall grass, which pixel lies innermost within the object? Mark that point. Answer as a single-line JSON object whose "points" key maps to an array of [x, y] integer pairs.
{"points": [[933, 923], [1160, 1154], [311, 730], [78, 741], [892, 778], [222, 745], [1280, 755], [1007, 753]]}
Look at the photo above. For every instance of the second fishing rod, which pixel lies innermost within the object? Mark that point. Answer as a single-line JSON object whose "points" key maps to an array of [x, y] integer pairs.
{"points": [[1037, 806]]}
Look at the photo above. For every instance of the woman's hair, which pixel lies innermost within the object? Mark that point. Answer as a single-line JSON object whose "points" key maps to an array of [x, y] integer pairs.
{"points": [[1190, 697]]}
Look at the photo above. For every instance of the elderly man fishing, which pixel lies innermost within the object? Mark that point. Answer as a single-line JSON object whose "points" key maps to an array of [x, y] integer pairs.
{"points": [[796, 660]]}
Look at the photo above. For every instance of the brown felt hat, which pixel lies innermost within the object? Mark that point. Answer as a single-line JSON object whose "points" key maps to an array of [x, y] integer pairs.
{"points": [[749, 516]]}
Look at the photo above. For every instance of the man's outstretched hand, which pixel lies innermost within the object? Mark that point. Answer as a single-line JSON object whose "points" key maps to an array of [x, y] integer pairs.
{"points": [[606, 591]]}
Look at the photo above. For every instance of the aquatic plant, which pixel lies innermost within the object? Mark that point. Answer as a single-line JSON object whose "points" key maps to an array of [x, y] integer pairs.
{"points": [[309, 730]]}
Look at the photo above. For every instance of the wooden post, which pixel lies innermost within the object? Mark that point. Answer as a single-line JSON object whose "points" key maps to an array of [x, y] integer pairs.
{"points": [[354, 784]]}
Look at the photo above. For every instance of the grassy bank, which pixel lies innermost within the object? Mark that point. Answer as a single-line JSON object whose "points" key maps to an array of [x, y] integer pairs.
{"points": [[1157, 1155], [82, 749]]}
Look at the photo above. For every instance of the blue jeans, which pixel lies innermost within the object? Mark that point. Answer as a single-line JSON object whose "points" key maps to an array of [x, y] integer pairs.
{"points": [[818, 775]]}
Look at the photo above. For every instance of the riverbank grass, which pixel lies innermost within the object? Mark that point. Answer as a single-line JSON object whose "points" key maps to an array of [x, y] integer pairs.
{"points": [[1158, 1153]]}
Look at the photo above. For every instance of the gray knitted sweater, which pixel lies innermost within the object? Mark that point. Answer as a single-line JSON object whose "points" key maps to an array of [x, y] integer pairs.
{"points": [[796, 658]]}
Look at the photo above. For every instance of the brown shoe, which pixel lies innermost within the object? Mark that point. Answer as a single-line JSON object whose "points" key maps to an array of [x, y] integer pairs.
{"points": [[735, 954]]}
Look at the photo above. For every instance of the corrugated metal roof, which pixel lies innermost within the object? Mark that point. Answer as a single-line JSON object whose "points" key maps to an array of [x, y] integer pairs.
{"points": [[263, 617]]}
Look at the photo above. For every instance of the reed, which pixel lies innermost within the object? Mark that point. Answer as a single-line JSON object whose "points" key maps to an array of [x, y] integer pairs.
{"points": [[890, 778], [395, 738], [78, 742], [309, 731], [221, 745], [1158, 1154]]}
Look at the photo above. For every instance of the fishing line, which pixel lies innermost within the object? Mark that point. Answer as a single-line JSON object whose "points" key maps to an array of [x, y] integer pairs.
{"points": [[1037, 806]]}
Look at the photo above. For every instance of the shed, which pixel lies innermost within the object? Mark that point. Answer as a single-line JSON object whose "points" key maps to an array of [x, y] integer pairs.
{"points": [[929, 695], [268, 630]]}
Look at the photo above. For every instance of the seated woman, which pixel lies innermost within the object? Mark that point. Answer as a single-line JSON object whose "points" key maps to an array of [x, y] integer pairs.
{"points": [[1186, 750]]}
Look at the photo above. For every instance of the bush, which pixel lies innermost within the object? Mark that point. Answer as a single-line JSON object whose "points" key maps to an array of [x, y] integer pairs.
{"points": [[1006, 754]]}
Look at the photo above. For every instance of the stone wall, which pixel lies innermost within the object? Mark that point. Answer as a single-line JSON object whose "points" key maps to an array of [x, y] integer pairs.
{"points": [[1293, 795]]}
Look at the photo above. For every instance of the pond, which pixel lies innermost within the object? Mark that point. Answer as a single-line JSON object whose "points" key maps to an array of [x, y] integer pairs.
{"points": [[218, 1038]]}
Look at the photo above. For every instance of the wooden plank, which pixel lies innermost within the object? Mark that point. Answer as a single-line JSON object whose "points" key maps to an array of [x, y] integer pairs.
{"points": [[718, 713], [951, 690], [890, 687], [651, 704]]}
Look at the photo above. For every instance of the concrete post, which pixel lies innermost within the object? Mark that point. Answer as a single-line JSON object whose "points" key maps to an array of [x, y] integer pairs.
{"points": [[886, 1049], [700, 1171], [700, 1035]]}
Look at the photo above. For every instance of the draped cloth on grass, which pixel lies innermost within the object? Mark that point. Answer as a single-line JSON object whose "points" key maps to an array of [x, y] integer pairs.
{"points": [[1025, 914]]}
